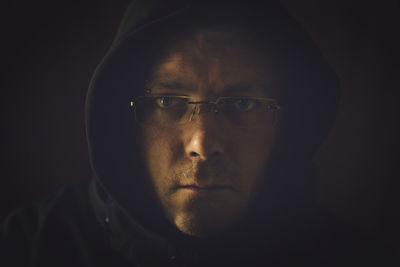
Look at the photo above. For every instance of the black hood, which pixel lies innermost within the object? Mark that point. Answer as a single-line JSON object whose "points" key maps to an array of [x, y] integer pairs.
{"points": [[310, 96]]}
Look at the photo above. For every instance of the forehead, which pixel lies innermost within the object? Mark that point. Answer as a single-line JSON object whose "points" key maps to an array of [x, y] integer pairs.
{"points": [[213, 63]]}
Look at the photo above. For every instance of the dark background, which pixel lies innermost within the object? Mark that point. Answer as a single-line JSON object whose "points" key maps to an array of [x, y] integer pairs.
{"points": [[49, 50]]}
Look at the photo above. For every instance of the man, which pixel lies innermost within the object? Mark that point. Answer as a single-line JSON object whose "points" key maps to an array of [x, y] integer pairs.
{"points": [[202, 121]]}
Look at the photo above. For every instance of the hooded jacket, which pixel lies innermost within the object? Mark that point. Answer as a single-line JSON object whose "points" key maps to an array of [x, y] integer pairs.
{"points": [[113, 222]]}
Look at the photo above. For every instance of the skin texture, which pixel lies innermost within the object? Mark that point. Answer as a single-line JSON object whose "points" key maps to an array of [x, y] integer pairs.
{"points": [[205, 173]]}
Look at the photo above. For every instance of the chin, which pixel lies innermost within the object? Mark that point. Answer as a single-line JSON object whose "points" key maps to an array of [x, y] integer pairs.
{"points": [[203, 215], [204, 225]]}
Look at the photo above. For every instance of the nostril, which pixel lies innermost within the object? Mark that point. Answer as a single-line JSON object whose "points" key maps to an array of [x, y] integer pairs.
{"points": [[212, 155], [194, 154], [202, 145]]}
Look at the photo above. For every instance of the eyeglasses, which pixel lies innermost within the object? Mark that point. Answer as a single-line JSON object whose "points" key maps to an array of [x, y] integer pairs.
{"points": [[167, 110]]}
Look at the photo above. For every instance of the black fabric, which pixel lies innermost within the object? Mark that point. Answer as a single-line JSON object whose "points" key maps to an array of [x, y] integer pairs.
{"points": [[80, 228], [113, 221]]}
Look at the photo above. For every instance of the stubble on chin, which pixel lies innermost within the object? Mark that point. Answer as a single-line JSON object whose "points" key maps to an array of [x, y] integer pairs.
{"points": [[200, 215], [201, 223]]}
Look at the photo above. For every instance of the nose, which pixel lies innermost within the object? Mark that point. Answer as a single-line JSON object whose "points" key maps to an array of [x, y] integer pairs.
{"points": [[203, 139]]}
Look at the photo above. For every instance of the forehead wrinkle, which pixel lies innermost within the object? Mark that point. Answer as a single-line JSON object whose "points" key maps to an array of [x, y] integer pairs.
{"points": [[185, 69], [172, 70], [171, 65]]}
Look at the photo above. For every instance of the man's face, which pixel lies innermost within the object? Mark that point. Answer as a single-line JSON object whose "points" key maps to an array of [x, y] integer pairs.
{"points": [[206, 172]]}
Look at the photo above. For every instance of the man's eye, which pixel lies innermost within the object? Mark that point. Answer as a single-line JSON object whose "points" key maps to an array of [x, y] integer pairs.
{"points": [[244, 104], [165, 101]]}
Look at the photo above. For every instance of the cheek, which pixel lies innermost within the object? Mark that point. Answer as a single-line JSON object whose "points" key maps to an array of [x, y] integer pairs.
{"points": [[254, 151], [159, 149]]}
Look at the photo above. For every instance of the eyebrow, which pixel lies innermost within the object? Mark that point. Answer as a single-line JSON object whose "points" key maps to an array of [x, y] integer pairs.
{"points": [[229, 89], [175, 86], [243, 88]]}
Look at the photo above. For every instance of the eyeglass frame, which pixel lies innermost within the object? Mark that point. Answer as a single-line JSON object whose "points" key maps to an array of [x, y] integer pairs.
{"points": [[268, 101]]}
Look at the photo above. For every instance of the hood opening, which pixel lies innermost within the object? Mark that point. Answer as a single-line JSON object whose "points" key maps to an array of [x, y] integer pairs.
{"points": [[310, 97]]}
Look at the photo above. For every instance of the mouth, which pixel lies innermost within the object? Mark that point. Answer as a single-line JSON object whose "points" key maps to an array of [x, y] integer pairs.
{"points": [[203, 189], [198, 187]]}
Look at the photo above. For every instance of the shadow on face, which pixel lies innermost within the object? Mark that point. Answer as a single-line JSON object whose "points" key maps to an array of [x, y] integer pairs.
{"points": [[206, 172]]}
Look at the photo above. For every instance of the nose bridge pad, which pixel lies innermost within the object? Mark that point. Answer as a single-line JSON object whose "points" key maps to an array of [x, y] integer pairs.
{"points": [[215, 108], [211, 107], [196, 109]]}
